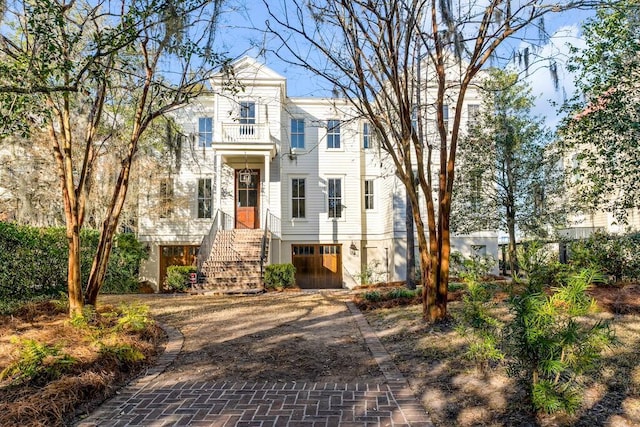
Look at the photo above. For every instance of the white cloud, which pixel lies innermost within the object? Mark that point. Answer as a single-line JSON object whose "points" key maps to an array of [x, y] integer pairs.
{"points": [[540, 77]]}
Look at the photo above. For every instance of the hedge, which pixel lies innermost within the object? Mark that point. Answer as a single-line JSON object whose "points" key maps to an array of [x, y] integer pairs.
{"points": [[33, 261]]}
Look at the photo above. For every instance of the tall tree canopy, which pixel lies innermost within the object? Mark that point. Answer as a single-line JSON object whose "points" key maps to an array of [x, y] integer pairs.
{"points": [[508, 170], [602, 129], [91, 77], [399, 62]]}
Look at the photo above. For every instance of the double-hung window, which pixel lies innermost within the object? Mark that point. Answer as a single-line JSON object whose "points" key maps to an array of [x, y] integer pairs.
{"points": [[247, 117], [297, 133], [366, 135], [205, 131], [166, 197], [334, 197], [368, 194], [205, 198], [445, 116], [298, 198], [333, 133]]}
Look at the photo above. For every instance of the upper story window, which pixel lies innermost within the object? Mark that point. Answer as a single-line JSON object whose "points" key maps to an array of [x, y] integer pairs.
{"points": [[297, 133], [368, 194], [297, 198], [445, 115], [205, 198], [247, 117], [473, 112], [333, 133], [334, 197], [366, 135], [205, 131], [166, 198]]}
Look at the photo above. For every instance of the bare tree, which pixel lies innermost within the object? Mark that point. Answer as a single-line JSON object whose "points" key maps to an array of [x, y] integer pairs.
{"points": [[95, 76], [370, 51]]}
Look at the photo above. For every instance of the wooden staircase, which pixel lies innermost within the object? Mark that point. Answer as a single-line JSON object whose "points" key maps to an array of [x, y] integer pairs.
{"points": [[234, 264]]}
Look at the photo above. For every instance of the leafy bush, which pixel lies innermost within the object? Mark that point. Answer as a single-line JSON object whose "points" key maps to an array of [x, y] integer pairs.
{"points": [[547, 343], [549, 346], [475, 322], [615, 255], [133, 317], [124, 353], [373, 296], [371, 274], [478, 266], [395, 293], [177, 279], [279, 276], [33, 262], [37, 363]]}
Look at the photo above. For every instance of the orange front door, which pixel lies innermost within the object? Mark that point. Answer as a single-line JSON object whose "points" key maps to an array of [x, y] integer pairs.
{"points": [[247, 198]]}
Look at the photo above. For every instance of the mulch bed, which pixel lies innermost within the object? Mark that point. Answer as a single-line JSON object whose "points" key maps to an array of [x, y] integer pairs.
{"points": [[95, 376]]}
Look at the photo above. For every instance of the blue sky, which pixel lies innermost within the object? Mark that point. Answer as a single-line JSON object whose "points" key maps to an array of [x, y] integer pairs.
{"points": [[238, 35]]}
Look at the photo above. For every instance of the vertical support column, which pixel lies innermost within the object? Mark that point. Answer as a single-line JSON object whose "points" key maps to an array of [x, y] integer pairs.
{"points": [[267, 185], [218, 166]]}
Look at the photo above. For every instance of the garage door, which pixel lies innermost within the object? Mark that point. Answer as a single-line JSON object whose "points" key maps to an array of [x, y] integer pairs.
{"points": [[176, 255], [317, 266]]}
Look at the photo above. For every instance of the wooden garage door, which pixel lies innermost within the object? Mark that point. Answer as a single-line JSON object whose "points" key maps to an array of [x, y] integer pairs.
{"points": [[176, 255], [317, 266]]}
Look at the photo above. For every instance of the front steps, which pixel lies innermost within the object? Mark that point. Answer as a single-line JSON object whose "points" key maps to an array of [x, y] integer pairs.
{"points": [[234, 263]]}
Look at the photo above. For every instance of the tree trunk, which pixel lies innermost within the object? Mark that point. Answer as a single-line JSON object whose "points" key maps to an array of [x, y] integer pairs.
{"points": [[411, 259], [512, 250]]}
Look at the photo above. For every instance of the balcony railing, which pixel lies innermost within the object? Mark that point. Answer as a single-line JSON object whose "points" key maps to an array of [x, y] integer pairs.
{"points": [[242, 132]]}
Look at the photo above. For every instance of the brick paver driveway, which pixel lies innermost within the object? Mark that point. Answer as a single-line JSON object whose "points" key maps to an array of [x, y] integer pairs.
{"points": [[188, 387]]}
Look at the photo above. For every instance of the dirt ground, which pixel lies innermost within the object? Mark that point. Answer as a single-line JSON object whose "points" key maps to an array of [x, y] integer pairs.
{"points": [[271, 337], [456, 394]]}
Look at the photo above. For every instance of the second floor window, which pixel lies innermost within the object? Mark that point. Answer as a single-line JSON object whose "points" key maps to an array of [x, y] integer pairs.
{"points": [[205, 131], [366, 135], [205, 198], [368, 194], [247, 117], [473, 113], [334, 196], [297, 133], [445, 116], [333, 134], [166, 198], [297, 198]]}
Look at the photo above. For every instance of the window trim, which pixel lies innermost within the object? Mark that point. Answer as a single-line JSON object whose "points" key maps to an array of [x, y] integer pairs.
{"points": [[366, 136], [202, 198], [370, 196], [331, 134], [303, 198], [203, 141], [292, 133], [341, 217]]}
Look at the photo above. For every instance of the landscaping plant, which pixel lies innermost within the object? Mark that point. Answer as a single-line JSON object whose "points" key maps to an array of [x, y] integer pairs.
{"points": [[279, 276]]}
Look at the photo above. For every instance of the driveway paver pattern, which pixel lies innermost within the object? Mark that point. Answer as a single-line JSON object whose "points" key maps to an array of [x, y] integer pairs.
{"points": [[156, 401]]}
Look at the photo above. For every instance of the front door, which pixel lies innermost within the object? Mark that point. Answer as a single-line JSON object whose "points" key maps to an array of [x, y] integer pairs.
{"points": [[247, 198]]}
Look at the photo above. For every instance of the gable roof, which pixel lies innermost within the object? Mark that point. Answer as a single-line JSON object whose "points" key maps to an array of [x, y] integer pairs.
{"points": [[248, 70]]}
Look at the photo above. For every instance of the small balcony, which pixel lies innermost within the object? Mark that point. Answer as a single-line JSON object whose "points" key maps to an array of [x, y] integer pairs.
{"points": [[245, 133]]}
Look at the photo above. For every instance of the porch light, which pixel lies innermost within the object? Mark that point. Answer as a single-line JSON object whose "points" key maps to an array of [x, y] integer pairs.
{"points": [[353, 249]]}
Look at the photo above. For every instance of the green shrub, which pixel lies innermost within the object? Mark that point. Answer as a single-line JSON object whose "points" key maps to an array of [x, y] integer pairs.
{"points": [[177, 279], [133, 317], [371, 274], [373, 296], [475, 322], [124, 353], [37, 363], [33, 262], [549, 346], [279, 276], [401, 293], [615, 255]]}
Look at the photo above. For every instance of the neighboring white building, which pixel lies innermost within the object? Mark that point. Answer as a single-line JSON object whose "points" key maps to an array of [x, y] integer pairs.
{"points": [[307, 167]]}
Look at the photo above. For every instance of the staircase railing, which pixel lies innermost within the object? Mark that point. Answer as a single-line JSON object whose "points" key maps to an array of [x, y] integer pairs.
{"points": [[221, 221], [271, 226]]}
